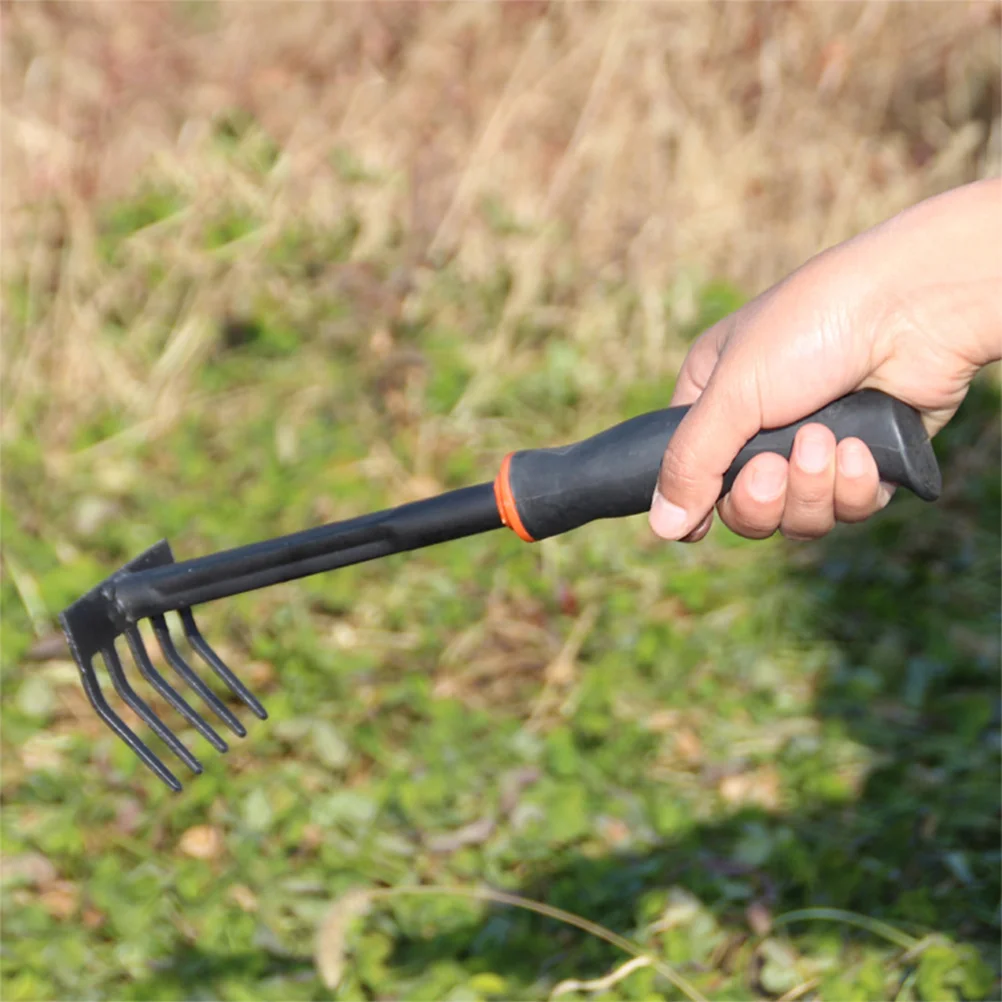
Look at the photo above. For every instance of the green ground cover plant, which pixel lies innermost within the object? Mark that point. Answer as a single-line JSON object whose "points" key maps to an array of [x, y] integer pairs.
{"points": [[774, 768], [266, 270]]}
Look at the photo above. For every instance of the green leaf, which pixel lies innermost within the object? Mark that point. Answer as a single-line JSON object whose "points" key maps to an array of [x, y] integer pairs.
{"points": [[488, 984], [755, 845], [779, 969], [567, 814], [349, 807], [330, 747], [937, 970], [975, 978], [257, 811], [562, 754], [35, 697]]}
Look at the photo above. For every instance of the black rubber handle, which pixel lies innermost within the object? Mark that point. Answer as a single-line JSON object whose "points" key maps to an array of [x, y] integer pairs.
{"points": [[613, 474]]}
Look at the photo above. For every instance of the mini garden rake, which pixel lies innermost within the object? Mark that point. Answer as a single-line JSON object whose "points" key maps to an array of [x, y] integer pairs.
{"points": [[538, 493]]}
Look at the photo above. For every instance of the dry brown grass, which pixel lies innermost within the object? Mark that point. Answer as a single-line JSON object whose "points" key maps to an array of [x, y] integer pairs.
{"points": [[636, 149], [654, 143]]}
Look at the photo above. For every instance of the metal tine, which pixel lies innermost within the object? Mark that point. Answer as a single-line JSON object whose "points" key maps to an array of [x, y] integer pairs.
{"points": [[174, 659], [128, 694], [145, 665], [213, 660], [93, 689]]}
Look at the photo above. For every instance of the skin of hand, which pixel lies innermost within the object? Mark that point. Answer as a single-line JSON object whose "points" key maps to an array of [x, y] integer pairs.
{"points": [[912, 307]]}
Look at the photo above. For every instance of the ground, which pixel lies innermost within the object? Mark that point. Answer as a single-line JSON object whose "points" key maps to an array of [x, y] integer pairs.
{"points": [[767, 770]]}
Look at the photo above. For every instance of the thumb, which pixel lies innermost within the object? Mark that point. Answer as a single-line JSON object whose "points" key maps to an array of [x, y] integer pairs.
{"points": [[702, 449]]}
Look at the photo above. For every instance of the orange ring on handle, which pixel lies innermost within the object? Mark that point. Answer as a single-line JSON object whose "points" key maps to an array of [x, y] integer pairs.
{"points": [[505, 499]]}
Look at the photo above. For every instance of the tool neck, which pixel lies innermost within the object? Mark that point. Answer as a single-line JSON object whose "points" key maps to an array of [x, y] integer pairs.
{"points": [[453, 515]]}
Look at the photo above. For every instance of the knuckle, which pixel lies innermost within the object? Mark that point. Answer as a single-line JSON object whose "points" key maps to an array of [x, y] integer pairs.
{"points": [[758, 523], [856, 509], [811, 516], [755, 532], [812, 498], [748, 519], [858, 504], [802, 537], [853, 515], [799, 527], [679, 471]]}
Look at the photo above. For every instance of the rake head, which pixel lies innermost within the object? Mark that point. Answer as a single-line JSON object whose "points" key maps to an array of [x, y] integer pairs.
{"points": [[155, 584], [92, 626]]}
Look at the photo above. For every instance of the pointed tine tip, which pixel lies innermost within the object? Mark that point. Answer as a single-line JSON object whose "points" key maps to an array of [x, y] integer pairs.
{"points": [[185, 755], [216, 663], [238, 729], [171, 782], [159, 770]]}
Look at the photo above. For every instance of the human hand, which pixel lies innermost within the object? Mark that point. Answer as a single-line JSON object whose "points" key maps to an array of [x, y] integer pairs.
{"points": [[912, 307]]}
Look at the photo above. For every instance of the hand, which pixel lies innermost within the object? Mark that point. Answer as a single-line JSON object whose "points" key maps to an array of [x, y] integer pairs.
{"points": [[912, 307]]}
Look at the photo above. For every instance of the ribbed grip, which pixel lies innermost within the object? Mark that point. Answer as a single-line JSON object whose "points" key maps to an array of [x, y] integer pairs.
{"points": [[613, 474]]}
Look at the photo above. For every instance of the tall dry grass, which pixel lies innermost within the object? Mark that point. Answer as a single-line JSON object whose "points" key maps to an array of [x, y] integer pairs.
{"points": [[652, 143]]}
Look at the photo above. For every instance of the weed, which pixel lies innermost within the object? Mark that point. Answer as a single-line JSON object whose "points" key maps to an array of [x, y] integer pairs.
{"points": [[771, 769]]}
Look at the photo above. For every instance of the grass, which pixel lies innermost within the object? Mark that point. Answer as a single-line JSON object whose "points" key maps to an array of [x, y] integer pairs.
{"points": [[770, 770], [743, 729]]}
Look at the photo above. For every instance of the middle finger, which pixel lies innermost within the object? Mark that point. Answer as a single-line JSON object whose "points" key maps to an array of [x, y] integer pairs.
{"points": [[810, 494]]}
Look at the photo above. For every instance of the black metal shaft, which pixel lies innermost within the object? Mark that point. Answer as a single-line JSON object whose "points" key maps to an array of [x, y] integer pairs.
{"points": [[453, 515]]}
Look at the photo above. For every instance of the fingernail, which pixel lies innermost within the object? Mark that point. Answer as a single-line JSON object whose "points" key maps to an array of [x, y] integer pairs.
{"points": [[852, 459], [699, 532], [767, 482], [667, 519], [813, 450]]}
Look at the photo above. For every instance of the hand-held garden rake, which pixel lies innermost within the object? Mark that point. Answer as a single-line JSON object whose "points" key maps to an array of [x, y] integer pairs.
{"points": [[538, 493]]}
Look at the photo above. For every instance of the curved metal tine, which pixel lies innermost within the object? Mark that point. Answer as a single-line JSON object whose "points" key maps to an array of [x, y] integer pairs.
{"points": [[174, 659], [145, 665], [93, 690], [128, 694], [213, 660]]}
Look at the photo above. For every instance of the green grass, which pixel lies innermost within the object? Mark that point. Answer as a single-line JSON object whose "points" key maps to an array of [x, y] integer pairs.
{"points": [[748, 729]]}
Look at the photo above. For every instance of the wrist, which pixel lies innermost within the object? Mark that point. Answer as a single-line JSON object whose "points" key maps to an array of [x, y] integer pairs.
{"points": [[937, 267]]}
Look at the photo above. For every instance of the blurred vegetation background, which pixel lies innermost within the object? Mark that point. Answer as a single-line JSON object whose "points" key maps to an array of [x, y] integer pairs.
{"points": [[265, 266]]}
